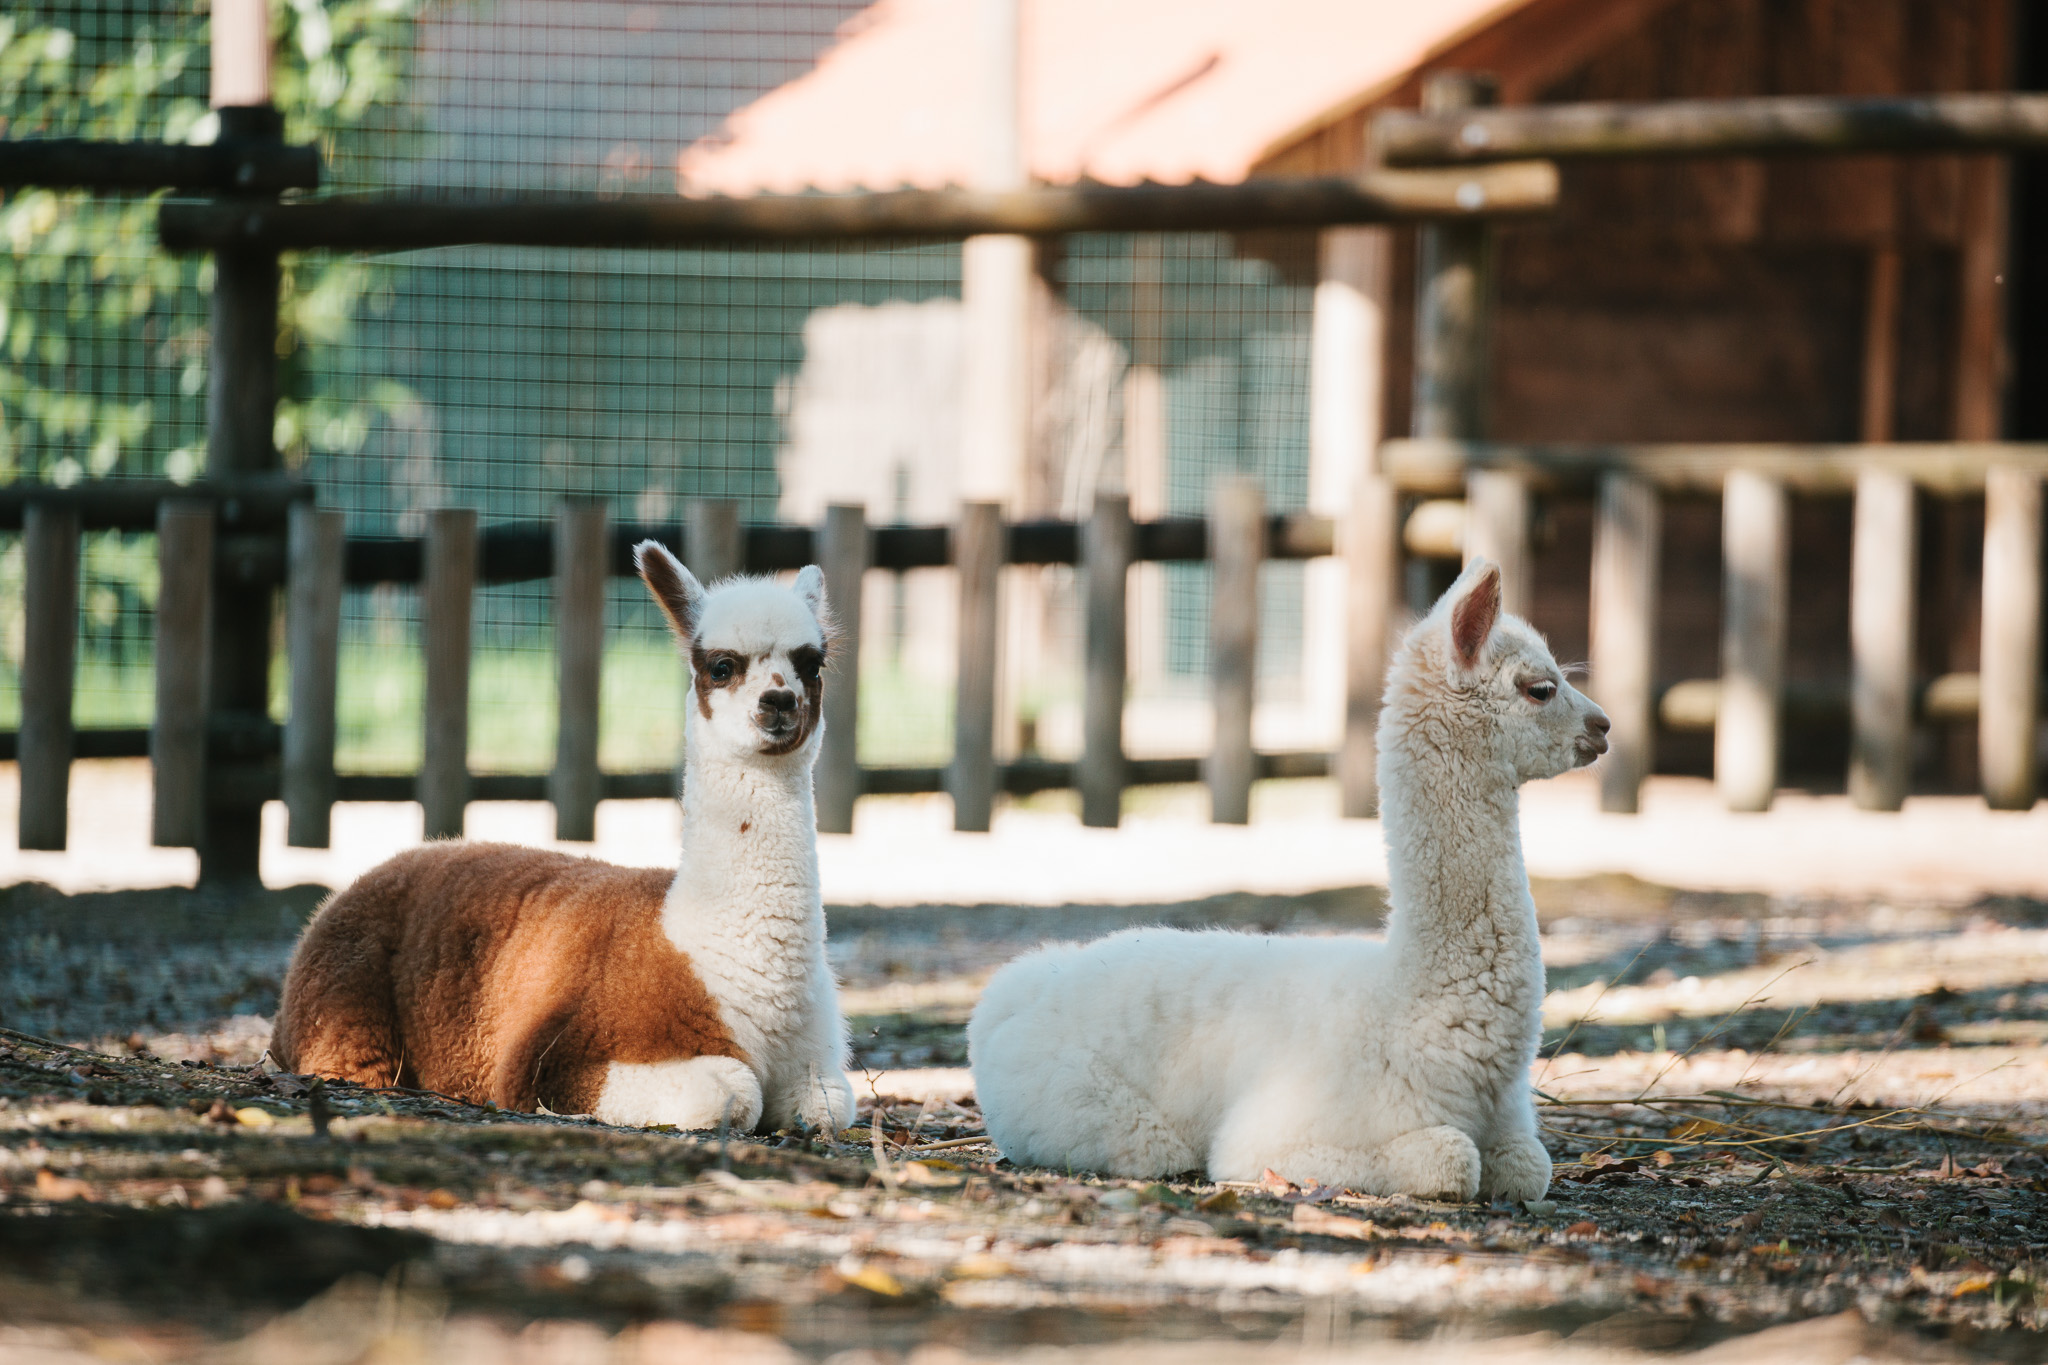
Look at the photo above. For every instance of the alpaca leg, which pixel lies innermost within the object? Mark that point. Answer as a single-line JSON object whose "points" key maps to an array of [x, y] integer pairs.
{"points": [[1514, 1164], [690, 1092], [1083, 1117], [1429, 1163], [344, 1027], [823, 1100]]}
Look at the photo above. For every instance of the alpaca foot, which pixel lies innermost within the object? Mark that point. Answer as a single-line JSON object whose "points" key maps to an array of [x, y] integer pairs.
{"points": [[1517, 1170], [1432, 1163], [690, 1092], [825, 1101]]}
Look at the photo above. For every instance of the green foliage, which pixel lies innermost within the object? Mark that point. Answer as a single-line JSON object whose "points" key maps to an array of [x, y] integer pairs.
{"points": [[102, 336]]}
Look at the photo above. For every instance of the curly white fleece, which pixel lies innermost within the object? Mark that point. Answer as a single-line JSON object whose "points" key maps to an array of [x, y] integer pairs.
{"points": [[1395, 1066]]}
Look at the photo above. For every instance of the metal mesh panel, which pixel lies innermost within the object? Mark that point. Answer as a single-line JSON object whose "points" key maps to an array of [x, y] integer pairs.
{"points": [[506, 379]]}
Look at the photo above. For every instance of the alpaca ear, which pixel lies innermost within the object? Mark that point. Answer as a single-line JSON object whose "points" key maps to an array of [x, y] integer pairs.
{"points": [[810, 588], [675, 588], [1473, 614]]}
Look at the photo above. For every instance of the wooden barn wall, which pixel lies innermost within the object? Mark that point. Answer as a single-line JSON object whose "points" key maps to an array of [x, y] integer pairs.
{"points": [[1725, 300]]}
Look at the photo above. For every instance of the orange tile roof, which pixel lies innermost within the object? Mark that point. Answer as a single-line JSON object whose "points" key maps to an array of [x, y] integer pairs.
{"points": [[1118, 91]]}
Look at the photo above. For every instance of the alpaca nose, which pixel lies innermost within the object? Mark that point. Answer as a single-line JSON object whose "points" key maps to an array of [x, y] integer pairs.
{"points": [[778, 699], [1598, 723]]}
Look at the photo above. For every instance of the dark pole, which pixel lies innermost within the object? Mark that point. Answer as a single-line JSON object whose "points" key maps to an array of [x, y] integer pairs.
{"points": [[241, 409]]}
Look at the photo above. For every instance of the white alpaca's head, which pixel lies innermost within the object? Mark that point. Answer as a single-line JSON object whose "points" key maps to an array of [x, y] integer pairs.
{"points": [[1475, 676], [756, 651]]}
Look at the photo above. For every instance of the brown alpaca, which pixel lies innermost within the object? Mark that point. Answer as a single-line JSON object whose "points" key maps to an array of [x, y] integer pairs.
{"points": [[698, 998]]}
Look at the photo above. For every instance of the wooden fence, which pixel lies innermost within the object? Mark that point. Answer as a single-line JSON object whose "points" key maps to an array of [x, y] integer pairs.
{"points": [[202, 535], [230, 544]]}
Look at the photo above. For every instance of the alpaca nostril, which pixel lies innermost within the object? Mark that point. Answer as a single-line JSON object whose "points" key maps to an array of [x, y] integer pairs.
{"points": [[1598, 723], [778, 699]]}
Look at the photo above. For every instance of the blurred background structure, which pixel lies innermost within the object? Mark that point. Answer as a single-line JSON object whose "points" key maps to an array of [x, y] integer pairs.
{"points": [[1731, 299]]}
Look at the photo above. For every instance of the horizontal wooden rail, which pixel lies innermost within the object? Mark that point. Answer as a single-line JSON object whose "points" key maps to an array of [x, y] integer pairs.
{"points": [[231, 165], [1020, 778], [1438, 468], [517, 552], [1738, 127], [253, 504], [391, 224]]}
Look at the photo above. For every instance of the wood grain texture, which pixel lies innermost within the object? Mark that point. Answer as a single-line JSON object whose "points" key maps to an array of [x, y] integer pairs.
{"points": [[1237, 548], [1627, 541], [1106, 552], [447, 597], [582, 558], [1755, 556], [978, 558], [48, 672], [2009, 716], [1883, 573], [843, 553], [312, 625]]}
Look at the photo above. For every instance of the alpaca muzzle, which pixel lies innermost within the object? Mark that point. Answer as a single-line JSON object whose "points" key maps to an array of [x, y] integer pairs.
{"points": [[777, 715], [1592, 742]]}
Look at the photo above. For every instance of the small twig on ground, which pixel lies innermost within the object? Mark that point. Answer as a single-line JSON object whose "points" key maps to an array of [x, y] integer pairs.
{"points": [[881, 1154], [971, 1140]]}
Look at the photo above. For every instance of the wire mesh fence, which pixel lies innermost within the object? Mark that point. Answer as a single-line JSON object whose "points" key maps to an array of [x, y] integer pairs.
{"points": [[506, 379]]}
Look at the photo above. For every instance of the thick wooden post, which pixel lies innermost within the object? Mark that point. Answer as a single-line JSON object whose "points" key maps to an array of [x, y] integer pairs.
{"points": [[2009, 716], [1754, 552], [1453, 314], [1237, 547], [241, 412], [843, 554], [49, 668], [447, 592], [978, 557], [1108, 544], [582, 561], [1882, 573], [1372, 563], [312, 628], [1497, 528], [1627, 537]]}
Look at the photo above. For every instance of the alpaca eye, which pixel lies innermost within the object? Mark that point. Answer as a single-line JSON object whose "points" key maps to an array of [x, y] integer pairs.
{"points": [[721, 671], [1541, 692], [807, 663]]}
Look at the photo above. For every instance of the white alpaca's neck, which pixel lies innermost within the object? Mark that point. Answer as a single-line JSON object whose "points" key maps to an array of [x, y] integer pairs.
{"points": [[750, 857], [1458, 890]]}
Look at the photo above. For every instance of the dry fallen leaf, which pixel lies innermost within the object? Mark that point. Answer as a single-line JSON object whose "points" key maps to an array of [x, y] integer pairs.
{"points": [[60, 1188], [1318, 1220], [1696, 1128], [1223, 1201], [982, 1266], [1976, 1284], [252, 1117], [1272, 1182], [875, 1280], [1584, 1228], [442, 1199]]}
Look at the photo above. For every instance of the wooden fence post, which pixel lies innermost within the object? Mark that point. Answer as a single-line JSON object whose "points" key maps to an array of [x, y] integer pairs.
{"points": [[1754, 552], [843, 554], [978, 552], [1453, 315], [2008, 718], [582, 564], [184, 646], [1883, 560], [1108, 545], [49, 669], [312, 626], [1371, 546], [713, 548], [447, 592], [1626, 539], [1237, 546]]}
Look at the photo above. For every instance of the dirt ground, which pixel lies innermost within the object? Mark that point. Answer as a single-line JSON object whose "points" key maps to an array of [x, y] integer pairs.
{"points": [[1792, 1128]]}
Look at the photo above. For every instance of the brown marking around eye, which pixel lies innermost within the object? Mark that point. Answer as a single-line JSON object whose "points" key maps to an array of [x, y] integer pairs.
{"points": [[701, 660]]}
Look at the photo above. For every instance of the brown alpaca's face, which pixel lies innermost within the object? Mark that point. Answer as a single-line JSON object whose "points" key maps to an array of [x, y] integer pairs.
{"points": [[757, 656]]}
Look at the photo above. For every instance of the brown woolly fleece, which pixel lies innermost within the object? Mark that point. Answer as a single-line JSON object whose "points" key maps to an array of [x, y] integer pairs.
{"points": [[494, 973]]}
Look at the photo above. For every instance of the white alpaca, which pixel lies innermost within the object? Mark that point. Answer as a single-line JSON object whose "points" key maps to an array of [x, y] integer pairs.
{"points": [[1390, 1067]]}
